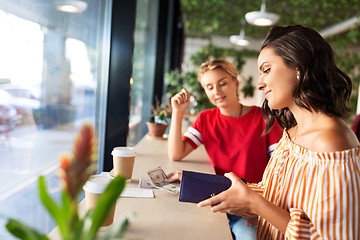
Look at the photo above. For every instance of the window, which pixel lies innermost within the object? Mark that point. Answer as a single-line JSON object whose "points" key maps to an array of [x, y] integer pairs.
{"points": [[157, 44], [51, 75], [143, 68]]}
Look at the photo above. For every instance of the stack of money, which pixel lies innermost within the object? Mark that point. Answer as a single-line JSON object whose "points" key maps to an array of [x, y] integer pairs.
{"points": [[160, 180]]}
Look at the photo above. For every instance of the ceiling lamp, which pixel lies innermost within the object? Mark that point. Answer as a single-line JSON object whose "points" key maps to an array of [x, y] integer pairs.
{"points": [[240, 39], [340, 27], [262, 18], [71, 6]]}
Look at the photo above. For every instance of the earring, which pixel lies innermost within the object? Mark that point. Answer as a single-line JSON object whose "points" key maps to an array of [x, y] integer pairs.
{"points": [[298, 77]]}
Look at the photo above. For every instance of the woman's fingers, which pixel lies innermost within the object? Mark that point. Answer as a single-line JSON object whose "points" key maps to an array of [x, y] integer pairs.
{"points": [[185, 95], [216, 203], [219, 207], [232, 176], [212, 201], [181, 98], [205, 203], [175, 176], [232, 200]]}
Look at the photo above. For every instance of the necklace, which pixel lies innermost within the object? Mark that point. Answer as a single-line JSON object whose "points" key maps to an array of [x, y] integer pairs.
{"points": [[241, 109], [306, 128]]}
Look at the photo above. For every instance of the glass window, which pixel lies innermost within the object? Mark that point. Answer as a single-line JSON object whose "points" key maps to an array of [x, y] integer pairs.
{"points": [[143, 68], [51, 71]]}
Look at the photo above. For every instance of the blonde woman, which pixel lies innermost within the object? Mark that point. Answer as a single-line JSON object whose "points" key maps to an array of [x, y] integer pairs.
{"points": [[232, 133]]}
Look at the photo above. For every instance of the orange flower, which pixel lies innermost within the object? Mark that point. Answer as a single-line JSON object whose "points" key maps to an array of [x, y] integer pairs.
{"points": [[64, 162], [84, 144], [76, 170]]}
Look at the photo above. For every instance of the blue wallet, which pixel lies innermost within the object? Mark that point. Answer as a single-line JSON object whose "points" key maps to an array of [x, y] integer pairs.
{"points": [[196, 187]]}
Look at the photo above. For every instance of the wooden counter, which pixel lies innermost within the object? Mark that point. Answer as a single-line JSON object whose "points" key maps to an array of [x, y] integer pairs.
{"points": [[164, 217]]}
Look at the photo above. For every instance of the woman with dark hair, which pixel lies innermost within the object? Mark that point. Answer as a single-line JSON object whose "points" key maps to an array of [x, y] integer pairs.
{"points": [[311, 187]]}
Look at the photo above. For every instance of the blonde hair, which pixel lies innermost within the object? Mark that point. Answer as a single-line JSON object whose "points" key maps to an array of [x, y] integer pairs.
{"points": [[226, 66]]}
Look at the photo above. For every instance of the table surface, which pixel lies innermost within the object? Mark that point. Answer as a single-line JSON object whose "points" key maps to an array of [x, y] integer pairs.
{"points": [[164, 217]]}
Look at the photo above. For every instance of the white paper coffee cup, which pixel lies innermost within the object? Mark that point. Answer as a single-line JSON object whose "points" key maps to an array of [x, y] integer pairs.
{"points": [[123, 161], [93, 188]]}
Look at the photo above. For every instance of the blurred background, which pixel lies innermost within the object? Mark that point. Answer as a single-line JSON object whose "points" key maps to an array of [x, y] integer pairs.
{"points": [[210, 24]]}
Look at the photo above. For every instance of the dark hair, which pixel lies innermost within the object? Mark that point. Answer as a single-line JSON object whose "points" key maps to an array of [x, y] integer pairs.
{"points": [[322, 87]]}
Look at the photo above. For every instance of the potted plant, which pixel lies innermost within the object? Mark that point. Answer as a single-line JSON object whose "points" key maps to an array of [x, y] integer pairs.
{"points": [[159, 119], [75, 170]]}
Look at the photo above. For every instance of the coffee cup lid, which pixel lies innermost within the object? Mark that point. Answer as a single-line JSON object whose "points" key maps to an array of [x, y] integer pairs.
{"points": [[123, 152], [97, 183]]}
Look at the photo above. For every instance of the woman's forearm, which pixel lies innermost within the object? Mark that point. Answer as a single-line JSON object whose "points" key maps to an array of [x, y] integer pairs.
{"points": [[275, 215], [176, 146]]}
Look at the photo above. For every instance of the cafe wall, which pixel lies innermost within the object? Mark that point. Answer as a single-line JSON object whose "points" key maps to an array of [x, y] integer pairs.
{"points": [[193, 45]]}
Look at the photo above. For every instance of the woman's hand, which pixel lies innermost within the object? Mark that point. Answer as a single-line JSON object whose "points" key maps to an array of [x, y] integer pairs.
{"points": [[236, 200], [239, 199], [180, 101], [175, 176]]}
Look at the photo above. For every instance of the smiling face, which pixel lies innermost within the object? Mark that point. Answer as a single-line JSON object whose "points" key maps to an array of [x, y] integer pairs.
{"points": [[220, 87], [277, 80]]}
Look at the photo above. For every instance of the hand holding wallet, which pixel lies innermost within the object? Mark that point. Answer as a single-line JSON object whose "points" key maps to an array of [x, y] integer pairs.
{"points": [[196, 187]]}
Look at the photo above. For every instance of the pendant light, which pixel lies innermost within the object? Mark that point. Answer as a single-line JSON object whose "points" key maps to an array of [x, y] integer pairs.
{"points": [[71, 6], [262, 18], [240, 39]]}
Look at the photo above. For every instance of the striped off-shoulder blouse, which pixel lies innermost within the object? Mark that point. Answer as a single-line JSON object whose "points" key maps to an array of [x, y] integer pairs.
{"points": [[320, 190]]}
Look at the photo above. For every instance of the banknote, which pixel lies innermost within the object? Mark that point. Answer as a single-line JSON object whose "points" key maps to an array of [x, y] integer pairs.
{"points": [[173, 188], [146, 184], [160, 180], [158, 177]]}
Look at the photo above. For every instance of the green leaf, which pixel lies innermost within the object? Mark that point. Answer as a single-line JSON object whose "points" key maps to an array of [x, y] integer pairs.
{"points": [[79, 229], [58, 215], [248, 89], [118, 228], [66, 207], [106, 202], [24, 232]]}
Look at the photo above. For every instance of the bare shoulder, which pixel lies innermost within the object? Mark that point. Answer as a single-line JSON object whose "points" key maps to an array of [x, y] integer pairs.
{"points": [[334, 136]]}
